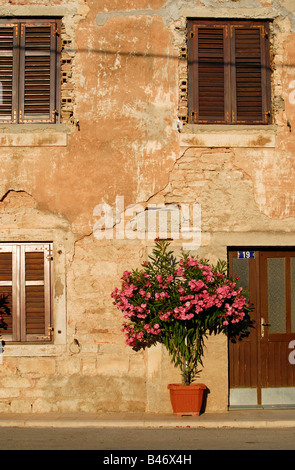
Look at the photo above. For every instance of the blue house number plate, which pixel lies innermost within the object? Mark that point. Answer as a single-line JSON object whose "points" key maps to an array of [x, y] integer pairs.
{"points": [[246, 254]]}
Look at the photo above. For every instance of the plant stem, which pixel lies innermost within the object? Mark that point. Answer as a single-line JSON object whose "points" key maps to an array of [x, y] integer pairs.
{"points": [[186, 378]]}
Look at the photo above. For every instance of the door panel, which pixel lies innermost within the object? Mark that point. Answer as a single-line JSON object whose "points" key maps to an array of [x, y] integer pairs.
{"points": [[262, 361], [276, 306], [243, 363]]}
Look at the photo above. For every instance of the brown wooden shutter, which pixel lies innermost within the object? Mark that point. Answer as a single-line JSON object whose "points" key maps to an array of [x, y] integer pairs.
{"points": [[8, 72], [249, 81], [36, 294], [208, 73], [38, 72], [228, 71]]}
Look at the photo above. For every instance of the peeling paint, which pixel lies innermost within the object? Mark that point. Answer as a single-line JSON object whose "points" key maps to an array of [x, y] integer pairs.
{"points": [[169, 12]]}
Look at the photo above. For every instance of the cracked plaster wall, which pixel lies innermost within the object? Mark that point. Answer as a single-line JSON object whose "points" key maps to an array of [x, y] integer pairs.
{"points": [[125, 76]]}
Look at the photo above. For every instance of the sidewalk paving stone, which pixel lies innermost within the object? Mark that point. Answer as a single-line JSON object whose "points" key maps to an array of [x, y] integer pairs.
{"points": [[257, 418]]}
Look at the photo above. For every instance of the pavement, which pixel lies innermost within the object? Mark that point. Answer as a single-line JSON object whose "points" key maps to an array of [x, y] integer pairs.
{"points": [[246, 418]]}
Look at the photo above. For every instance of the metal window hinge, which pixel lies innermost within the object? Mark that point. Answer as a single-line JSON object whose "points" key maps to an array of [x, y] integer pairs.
{"points": [[194, 115], [49, 254], [267, 115], [264, 33], [54, 114], [50, 331]]}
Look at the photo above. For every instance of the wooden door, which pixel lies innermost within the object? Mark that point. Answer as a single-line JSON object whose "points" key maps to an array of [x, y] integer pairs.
{"points": [[261, 372]]}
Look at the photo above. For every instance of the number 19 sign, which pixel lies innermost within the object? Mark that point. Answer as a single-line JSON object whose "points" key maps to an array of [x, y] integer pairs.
{"points": [[246, 254]]}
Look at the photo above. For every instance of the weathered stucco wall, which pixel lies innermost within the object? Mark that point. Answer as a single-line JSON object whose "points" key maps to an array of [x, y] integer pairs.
{"points": [[123, 63]]}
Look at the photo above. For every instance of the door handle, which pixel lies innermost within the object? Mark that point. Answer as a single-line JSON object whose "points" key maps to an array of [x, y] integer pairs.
{"points": [[262, 326]]}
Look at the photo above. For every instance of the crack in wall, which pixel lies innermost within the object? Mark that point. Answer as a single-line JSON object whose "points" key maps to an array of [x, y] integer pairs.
{"points": [[9, 191]]}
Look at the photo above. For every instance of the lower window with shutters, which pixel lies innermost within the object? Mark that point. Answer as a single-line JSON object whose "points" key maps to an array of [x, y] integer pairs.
{"points": [[25, 281], [228, 72]]}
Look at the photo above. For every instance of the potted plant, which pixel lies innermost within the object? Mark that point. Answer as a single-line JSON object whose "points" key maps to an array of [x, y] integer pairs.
{"points": [[179, 303]]}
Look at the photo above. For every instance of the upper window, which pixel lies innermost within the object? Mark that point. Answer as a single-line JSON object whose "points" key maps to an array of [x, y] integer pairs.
{"points": [[29, 70], [25, 282], [229, 72]]}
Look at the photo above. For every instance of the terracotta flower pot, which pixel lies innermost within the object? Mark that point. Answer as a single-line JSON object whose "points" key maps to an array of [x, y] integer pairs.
{"points": [[186, 399]]}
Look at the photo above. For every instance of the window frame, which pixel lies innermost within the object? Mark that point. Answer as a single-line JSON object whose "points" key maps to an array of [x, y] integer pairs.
{"points": [[229, 27], [19, 283], [18, 53]]}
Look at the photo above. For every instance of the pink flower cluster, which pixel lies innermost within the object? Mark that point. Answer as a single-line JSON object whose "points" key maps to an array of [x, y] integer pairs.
{"points": [[132, 337], [191, 292], [195, 303]]}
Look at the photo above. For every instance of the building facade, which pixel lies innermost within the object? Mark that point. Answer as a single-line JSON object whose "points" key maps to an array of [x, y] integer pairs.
{"points": [[113, 113]]}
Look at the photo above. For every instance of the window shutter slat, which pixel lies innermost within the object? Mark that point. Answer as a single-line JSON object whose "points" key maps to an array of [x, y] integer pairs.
{"points": [[38, 60], [7, 72], [34, 266], [6, 266], [37, 312], [250, 107], [209, 74]]}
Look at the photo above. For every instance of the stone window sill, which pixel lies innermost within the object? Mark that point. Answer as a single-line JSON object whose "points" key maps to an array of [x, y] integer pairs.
{"points": [[228, 136], [33, 135], [28, 350]]}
